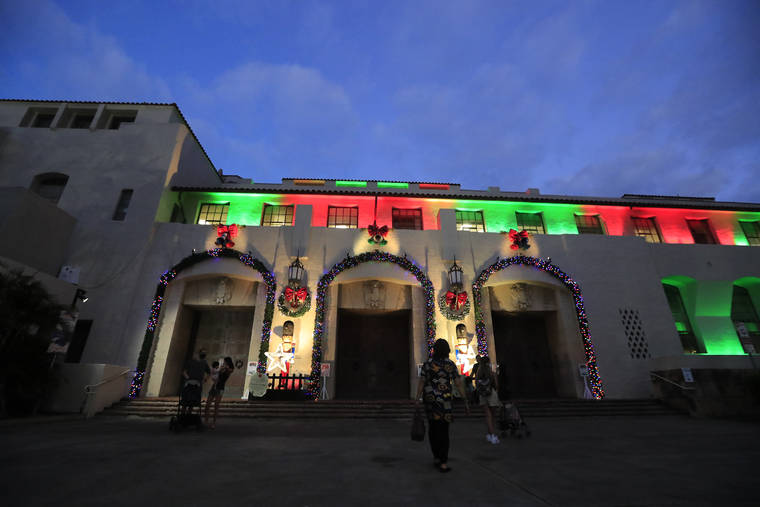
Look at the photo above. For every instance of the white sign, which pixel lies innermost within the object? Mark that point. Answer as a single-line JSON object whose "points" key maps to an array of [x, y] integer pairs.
{"points": [[419, 370], [325, 369], [583, 370], [687, 376], [252, 367]]}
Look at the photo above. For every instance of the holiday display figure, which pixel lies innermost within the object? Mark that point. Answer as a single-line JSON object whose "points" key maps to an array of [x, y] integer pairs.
{"points": [[225, 234]]}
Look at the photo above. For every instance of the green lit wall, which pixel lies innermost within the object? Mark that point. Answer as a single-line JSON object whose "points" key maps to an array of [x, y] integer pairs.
{"points": [[708, 305]]}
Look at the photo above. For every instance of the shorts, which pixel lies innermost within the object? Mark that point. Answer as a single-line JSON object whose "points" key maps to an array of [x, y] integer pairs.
{"points": [[491, 399]]}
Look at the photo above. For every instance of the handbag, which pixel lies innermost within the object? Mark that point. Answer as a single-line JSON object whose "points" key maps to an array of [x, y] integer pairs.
{"points": [[418, 426]]}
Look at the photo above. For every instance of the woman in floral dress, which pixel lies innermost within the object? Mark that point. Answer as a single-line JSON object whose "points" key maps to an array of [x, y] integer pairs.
{"points": [[439, 374]]}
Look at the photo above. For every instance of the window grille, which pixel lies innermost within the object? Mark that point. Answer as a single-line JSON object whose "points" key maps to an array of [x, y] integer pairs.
{"points": [[701, 232], [342, 218], [689, 340], [589, 224], [646, 228], [407, 219], [531, 222], [213, 214], [751, 231], [277, 216], [471, 221]]}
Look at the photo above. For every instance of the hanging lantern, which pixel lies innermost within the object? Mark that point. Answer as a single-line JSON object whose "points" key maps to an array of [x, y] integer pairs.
{"points": [[295, 273], [455, 276]]}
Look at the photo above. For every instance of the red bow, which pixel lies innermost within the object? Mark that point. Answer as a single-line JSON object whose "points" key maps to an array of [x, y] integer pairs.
{"points": [[454, 300], [231, 230], [517, 238], [295, 296], [374, 230]]}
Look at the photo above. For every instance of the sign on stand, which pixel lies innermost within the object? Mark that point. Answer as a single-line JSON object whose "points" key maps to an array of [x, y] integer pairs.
{"points": [[325, 371]]}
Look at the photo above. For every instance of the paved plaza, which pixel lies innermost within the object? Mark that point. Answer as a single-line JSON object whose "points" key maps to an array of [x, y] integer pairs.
{"points": [[589, 461]]}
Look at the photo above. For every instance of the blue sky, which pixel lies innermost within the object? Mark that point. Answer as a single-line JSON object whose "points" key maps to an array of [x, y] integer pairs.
{"points": [[580, 98]]}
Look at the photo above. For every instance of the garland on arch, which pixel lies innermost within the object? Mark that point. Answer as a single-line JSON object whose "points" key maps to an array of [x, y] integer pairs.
{"points": [[454, 305], [351, 262], [169, 275], [546, 266], [290, 293]]}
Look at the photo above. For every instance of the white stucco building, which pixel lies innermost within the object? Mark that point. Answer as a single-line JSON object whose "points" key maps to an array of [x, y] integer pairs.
{"points": [[125, 203]]}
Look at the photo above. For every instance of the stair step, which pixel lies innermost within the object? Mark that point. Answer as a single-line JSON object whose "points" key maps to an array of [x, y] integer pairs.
{"points": [[389, 409]]}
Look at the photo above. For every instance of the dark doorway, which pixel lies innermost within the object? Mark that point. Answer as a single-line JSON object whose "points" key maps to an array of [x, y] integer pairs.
{"points": [[372, 360], [522, 352], [223, 333]]}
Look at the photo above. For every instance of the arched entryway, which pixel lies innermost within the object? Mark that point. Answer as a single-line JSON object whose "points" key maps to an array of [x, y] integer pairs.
{"points": [[158, 300], [351, 262], [594, 381]]}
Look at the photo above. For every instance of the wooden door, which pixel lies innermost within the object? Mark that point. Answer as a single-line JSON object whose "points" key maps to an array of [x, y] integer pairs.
{"points": [[522, 352], [372, 360]]}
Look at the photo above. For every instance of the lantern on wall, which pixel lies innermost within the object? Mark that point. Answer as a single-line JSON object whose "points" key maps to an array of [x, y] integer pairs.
{"points": [[454, 304], [295, 273], [455, 276], [295, 300]]}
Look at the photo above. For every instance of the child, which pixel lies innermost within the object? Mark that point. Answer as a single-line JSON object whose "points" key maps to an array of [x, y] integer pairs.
{"points": [[214, 373]]}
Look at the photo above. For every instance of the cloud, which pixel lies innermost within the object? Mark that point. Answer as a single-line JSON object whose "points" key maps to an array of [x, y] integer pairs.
{"points": [[273, 117], [68, 60]]}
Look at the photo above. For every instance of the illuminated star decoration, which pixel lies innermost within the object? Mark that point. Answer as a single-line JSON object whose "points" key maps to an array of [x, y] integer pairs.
{"points": [[467, 360], [279, 359]]}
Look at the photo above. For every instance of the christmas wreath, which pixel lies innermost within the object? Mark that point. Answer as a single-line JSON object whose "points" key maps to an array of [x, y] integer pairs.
{"points": [[454, 305], [294, 302]]}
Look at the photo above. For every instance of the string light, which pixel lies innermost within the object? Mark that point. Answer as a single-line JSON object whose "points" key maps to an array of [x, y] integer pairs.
{"points": [[546, 266], [351, 262], [168, 276]]}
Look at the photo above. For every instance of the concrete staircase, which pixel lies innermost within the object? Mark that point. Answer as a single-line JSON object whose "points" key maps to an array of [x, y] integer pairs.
{"points": [[391, 409]]}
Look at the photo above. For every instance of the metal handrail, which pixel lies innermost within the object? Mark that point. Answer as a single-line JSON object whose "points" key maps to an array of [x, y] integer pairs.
{"points": [[686, 388], [92, 388], [104, 381]]}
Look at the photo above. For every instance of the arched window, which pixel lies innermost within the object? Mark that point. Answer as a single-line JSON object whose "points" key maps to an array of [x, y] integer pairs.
{"points": [[745, 319], [50, 186], [689, 341]]}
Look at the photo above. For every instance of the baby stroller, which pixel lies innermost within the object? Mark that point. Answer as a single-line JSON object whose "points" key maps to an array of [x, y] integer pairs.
{"points": [[511, 423], [188, 408]]}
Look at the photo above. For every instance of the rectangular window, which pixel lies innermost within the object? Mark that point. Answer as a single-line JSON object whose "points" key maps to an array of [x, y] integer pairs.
{"points": [[752, 232], [407, 219], [117, 119], [213, 214], [121, 207], [82, 120], [701, 232], [277, 216], [471, 221], [43, 120], [646, 228], [689, 341], [531, 222], [589, 224], [342, 218]]}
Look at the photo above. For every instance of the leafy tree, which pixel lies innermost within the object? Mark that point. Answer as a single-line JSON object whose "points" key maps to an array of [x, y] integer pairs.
{"points": [[28, 314]]}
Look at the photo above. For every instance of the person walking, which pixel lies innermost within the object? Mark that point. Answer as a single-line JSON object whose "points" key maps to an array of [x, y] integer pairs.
{"points": [[486, 385], [217, 390], [194, 375], [439, 374]]}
